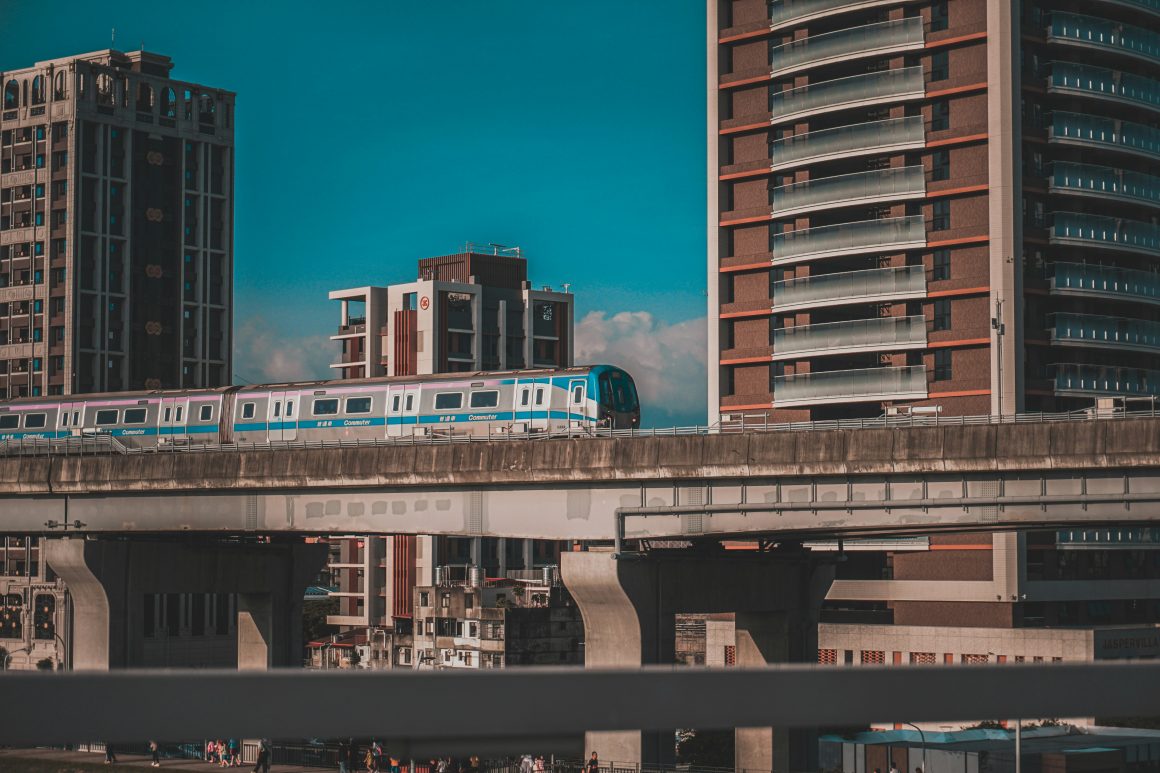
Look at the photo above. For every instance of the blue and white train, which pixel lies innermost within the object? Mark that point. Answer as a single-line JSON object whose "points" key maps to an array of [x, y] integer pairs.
{"points": [[551, 402]]}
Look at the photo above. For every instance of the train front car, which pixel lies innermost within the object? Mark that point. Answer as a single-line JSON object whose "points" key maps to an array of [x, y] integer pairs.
{"points": [[618, 406]]}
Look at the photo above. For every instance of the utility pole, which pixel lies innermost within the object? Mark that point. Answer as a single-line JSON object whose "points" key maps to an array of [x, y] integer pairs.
{"points": [[1000, 328]]}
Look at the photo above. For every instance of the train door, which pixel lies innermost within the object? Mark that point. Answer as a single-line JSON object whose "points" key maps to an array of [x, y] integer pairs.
{"points": [[68, 421], [395, 396], [172, 417], [280, 418], [410, 414], [577, 402], [541, 405], [522, 407]]}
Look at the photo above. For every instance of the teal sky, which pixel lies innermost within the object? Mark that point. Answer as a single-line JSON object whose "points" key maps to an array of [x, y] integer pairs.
{"points": [[372, 134]]}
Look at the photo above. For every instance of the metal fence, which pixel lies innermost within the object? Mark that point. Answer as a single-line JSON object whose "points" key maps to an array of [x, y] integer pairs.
{"points": [[109, 444]]}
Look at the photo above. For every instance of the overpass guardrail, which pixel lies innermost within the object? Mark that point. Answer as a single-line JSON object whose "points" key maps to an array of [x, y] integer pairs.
{"points": [[109, 444]]}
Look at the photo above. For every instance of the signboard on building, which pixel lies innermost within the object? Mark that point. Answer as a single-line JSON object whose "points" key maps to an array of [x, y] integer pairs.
{"points": [[1126, 643]]}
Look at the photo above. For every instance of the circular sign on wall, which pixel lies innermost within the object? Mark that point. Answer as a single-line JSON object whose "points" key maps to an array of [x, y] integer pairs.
{"points": [[424, 303]]}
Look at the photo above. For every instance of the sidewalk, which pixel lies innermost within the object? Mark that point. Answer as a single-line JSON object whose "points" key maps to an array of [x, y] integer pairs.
{"points": [[55, 761]]}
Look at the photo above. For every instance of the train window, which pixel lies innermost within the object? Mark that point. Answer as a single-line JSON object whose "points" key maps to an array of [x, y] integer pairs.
{"points": [[247, 410], [64, 418], [277, 408], [395, 405], [177, 415], [525, 397], [358, 405], [448, 401], [289, 408], [577, 394], [205, 413], [489, 399], [106, 417], [410, 401], [539, 396], [76, 418], [10, 421], [165, 418], [135, 416], [327, 407], [35, 420]]}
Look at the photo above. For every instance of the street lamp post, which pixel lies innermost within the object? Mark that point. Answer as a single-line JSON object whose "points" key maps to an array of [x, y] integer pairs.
{"points": [[922, 737]]}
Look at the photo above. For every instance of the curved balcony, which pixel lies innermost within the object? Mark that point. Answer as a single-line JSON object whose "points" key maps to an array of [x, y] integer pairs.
{"points": [[1105, 35], [875, 88], [877, 39], [846, 190], [1148, 6], [859, 335], [1099, 83], [1104, 182], [893, 234], [1112, 282], [1084, 380], [794, 12], [1105, 332], [891, 135], [850, 386], [873, 285], [1098, 132], [1109, 233]]}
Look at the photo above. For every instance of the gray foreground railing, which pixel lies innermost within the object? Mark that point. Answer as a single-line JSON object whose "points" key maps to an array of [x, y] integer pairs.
{"points": [[109, 444], [548, 708]]}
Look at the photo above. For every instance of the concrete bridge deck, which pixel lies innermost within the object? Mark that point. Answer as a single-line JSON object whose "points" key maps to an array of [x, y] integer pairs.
{"points": [[827, 482]]}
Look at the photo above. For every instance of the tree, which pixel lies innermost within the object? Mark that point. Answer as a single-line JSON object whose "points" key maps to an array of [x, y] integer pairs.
{"points": [[314, 625], [45, 664], [707, 749]]}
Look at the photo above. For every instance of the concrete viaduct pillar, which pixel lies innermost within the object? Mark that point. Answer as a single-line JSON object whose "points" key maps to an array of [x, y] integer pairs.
{"points": [[629, 609], [108, 580]]}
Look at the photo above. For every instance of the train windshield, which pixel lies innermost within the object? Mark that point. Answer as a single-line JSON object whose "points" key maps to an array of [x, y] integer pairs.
{"points": [[617, 392]]}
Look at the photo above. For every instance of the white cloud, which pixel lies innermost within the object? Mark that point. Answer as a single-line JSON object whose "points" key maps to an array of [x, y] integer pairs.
{"points": [[264, 354], [666, 361]]}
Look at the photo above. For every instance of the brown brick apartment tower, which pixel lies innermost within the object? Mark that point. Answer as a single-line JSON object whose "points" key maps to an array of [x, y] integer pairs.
{"points": [[116, 227], [940, 202]]}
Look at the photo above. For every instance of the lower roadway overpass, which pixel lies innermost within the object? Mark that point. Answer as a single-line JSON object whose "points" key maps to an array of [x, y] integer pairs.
{"points": [[813, 483]]}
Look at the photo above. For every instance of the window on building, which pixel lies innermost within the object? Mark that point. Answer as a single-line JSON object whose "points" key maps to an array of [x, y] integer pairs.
{"points": [[940, 115], [424, 598], [448, 401], [942, 265], [940, 66], [939, 15], [942, 365], [941, 215], [942, 314], [940, 168]]}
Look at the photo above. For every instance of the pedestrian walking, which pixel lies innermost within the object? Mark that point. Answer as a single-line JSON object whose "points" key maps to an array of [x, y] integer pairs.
{"points": [[210, 748], [235, 752], [155, 753], [593, 763], [263, 761], [893, 767], [526, 765], [343, 756], [538, 765], [110, 755]]}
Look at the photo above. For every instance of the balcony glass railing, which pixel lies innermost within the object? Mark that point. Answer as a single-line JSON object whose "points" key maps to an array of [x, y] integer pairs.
{"points": [[876, 87], [1088, 30], [1097, 330], [1151, 6], [1078, 378], [862, 236], [866, 40], [869, 137], [1094, 130], [1105, 281], [1105, 181], [850, 386], [848, 189], [788, 11], [1107, 232], [887, 333], [832, 289], [1105, 84]]}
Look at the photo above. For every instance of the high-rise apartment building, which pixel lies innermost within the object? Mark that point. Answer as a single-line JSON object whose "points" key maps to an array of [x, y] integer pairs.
{"points": [[116, 273], [466, 312], [939, 202], [951, 203], [116, 227]]}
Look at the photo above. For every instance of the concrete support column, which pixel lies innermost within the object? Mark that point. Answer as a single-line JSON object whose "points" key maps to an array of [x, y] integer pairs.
{"points": [[98, 586], [255, 631], [629, 610]]}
